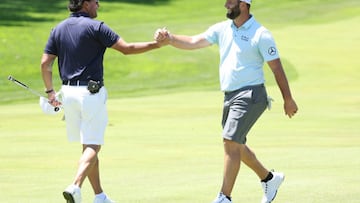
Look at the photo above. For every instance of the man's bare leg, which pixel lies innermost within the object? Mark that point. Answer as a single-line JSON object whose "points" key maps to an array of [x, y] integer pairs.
{"points": [[249, 158], [234, 154], [87, 162], [94, 178], [232, 159]]}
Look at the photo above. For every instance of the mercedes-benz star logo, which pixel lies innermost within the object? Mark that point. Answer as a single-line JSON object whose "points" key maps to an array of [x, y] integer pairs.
{"points": [[272, 51]]}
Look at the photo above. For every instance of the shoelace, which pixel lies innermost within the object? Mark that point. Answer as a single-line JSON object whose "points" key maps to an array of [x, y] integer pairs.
{"points": [[266, 183], [266, 188]]}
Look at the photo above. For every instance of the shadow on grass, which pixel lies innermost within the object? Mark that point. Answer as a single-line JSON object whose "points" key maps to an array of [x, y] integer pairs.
{"points": [[18, 12]]}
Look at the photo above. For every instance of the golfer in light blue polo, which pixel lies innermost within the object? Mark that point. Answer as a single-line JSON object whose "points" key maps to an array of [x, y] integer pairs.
{"points": [[244, 46]]}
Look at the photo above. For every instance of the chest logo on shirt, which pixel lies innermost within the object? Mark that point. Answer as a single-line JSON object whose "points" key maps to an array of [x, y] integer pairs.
{"points": [[272, 51], [244, 38]]}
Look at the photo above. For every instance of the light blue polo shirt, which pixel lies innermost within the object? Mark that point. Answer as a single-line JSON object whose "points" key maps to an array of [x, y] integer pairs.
{"points": [[243, 51]]}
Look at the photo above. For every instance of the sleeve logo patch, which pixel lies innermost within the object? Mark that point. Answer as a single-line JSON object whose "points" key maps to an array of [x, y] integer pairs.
{"points": [[272, 51]]}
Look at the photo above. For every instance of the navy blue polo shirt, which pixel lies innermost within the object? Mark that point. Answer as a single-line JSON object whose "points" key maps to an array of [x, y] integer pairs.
{"points": [[80, 42]]}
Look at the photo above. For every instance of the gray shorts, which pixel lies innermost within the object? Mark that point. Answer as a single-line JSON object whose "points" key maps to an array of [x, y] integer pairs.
{"points": [[242, 108]]}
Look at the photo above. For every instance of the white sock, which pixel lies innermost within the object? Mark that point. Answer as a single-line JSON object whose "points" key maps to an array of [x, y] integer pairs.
{"points": [[101, 196]]}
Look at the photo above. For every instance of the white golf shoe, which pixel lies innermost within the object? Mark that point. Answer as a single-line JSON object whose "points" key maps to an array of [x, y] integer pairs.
{"points": [[106, 200], [271, 187], [72, 194], [221, 198]]}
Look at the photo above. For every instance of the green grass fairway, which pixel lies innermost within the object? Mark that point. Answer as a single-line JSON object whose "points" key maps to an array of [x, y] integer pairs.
{"points": [[163, 142], [167, 149]]}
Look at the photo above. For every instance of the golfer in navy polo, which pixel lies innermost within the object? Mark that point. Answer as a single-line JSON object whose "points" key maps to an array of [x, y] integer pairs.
{"points": [[79, 42]]}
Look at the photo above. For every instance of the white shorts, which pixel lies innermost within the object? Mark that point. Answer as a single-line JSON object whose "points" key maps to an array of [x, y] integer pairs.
{"points": [[85, 114]]}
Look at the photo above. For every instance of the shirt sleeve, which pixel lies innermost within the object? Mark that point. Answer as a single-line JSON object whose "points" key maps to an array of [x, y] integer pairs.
{"points": [[50, 47], [267, 46], [211, 34], [107, 36]]}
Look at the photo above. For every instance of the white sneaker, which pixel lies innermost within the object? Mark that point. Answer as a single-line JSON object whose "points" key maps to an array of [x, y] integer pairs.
{"points": [[106, 200], [72, 194], [271, 187], [221, 198]]}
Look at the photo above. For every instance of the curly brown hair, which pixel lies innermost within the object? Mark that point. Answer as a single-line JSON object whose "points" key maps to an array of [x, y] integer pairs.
{"points": [[75, 5]]}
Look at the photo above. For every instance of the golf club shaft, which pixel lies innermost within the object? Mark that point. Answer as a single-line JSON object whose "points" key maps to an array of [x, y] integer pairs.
{"points": [[56, 108], [24, 86]]}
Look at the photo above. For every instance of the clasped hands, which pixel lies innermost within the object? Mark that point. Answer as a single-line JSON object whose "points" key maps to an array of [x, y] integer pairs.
{"points": [[162, 36]]}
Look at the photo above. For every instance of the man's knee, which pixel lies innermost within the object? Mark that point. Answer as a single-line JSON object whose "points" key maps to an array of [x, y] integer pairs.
{"points": [[95, 148], [231, 148]]}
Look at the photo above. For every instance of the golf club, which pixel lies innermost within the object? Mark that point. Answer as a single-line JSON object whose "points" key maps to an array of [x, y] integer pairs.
{"points": [[12, 79]]}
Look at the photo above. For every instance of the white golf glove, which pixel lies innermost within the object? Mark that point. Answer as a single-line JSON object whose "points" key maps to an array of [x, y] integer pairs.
{"points": [[47, 108]]}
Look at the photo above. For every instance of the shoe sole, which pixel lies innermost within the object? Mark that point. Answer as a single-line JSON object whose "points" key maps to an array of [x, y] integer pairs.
{"points": [[277, 189], [68, 197]]}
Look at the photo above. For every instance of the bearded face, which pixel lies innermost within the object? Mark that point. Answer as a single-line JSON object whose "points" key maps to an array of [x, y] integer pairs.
{"points": [[234, 12]]}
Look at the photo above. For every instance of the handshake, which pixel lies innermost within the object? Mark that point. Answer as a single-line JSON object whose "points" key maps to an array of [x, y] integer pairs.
{"points": [[162, 36]]}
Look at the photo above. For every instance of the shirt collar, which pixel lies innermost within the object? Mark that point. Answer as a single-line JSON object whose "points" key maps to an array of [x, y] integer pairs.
{"points": [[247, 24], [79, 14]]}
